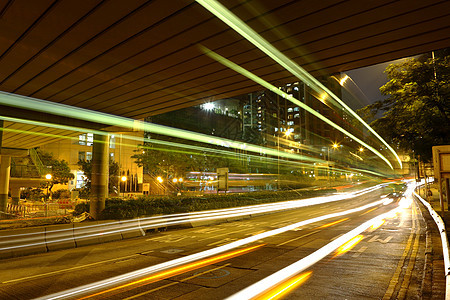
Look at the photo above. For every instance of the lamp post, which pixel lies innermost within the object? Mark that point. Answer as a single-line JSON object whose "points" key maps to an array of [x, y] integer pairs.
{"points": [[48, 177], [124, 179], [335, 146], [287, 133], [160, 180]]}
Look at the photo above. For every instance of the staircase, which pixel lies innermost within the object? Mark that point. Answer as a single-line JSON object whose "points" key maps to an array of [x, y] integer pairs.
{"points": [[29, 166]]}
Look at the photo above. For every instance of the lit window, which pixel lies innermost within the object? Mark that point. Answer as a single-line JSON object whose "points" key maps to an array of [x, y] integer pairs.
{"points": [[90, 139], [112, 142], [82, 139]]}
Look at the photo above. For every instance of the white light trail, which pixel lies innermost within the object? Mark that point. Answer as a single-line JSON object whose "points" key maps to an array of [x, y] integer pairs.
{"points": [[90, 288], [20, 241], [306, 262], [253, 37]]}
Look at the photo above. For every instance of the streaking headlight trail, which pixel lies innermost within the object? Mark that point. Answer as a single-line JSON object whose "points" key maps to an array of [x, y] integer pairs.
{"points": [[122, 279], [253, 37]]}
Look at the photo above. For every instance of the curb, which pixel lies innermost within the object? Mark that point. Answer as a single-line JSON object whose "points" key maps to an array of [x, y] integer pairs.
{"points": [[445, 247]]}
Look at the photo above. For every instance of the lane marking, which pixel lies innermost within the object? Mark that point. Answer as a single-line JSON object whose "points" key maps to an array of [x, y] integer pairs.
{"points": [[176, 282], [305, 235], [396, 276], [375, 238], [360, 251], [217, 235], [69, 269], [412, 260]]}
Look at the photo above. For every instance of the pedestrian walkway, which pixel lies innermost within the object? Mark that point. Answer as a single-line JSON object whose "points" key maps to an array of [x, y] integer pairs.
{"points": [[433, 285]]}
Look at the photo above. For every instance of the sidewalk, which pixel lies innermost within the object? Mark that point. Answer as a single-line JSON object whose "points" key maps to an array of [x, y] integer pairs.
{"points": [[435, 203], [434, 282]]}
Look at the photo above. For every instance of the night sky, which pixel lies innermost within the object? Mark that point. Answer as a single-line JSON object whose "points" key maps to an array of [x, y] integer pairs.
{"points": [[364, 88]]}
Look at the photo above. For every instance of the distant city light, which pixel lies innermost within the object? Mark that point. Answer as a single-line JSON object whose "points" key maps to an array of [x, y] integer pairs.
{"points": [[208, 106]]}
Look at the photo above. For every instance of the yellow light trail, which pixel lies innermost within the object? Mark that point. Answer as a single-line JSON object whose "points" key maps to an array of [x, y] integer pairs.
{"points": [[333, 223], [178, 270], [253, 37], [284, 288], [289, 97], [349, 245]]}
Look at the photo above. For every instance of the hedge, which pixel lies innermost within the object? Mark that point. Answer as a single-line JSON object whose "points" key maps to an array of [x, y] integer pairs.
{"points": [[119, 209]]}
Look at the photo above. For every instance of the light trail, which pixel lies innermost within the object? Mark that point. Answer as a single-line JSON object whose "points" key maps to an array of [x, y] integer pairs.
{"points": [[289, 97], [350, 244], [221, 12], [178, 270], [334, 223], [285, 287], [277, 278], [11, 242], [29, 103], [107, 283]]}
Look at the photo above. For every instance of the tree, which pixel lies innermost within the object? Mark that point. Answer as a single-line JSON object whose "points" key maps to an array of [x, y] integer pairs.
{"points": [[113, 182], [172, 161], [416, 113], [59, 169]]}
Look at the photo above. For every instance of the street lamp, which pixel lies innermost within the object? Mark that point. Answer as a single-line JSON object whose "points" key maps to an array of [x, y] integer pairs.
{"points": [[361, 149], [48, 177], [124, 179], [287, 133]]}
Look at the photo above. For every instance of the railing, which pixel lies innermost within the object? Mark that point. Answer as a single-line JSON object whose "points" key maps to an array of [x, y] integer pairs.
{"points": [[43, 209], [22, 171], [37, 162]]}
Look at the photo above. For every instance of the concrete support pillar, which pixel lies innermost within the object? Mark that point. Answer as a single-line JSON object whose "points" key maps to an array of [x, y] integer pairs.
{"points": [[5, 167], [15, 194], [100, 174]]}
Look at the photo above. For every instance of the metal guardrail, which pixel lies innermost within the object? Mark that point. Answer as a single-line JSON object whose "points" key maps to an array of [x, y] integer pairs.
{"points": [[445, 246]]}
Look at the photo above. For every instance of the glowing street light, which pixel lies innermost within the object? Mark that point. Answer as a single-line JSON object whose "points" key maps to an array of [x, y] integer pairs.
{"points": [[335, 146], [361, 149], [175, 180], [123, 179], [180, 180], [159, 178], [48, 177]]}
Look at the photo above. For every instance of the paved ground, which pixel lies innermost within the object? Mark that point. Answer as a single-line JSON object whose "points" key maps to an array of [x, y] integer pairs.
{"points": [[387, 263]]}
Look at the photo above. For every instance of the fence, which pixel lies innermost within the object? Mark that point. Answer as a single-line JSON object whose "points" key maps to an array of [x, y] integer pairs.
{"points": [[47, 209]]}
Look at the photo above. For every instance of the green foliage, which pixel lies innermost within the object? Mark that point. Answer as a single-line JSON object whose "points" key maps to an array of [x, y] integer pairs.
{"points": [[61, 194], [416, 114], [170, 161], [155, 205], [59, 169], [34, 194], [86, 167]]}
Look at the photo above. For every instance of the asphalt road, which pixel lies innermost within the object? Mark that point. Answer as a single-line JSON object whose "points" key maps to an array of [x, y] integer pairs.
{"points": [[383, 263]]}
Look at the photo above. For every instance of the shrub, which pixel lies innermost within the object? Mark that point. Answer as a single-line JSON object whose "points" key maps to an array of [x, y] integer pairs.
{"points": [[61, 194], [116, 208]]}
